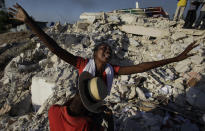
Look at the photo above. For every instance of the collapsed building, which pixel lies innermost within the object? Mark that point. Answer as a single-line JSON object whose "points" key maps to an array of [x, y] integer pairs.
{"points": [[166, 98], [148, 12]]}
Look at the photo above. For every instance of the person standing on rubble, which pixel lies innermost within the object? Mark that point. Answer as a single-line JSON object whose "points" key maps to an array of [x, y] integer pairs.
{"points": [[201, 17], [181, 5], [192, 13]]}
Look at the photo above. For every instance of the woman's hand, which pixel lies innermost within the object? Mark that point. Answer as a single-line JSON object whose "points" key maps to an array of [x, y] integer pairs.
{"points": [[185, 54], [18, 13]]}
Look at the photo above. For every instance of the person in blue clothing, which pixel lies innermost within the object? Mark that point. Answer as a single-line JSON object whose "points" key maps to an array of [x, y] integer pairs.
{"points": [[191, 15], [201, 17]]}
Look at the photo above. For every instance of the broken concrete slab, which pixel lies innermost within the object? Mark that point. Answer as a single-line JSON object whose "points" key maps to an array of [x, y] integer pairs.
{"points": [[91, 17], [178, 35], [198, 33], [187, 31], [140, 94], [133, 42], [128, 18], [197, 59], [183, 66], [40, 91], [82, 25], [113, 19], [132, 93], [147, 31], [124, 77], [123, 89]]}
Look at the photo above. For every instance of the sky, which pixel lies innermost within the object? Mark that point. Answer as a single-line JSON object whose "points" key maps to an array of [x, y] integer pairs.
{"points": [[70, 10]]}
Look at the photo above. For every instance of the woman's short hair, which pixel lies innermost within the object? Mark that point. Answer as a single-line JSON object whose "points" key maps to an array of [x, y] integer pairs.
{"points": [[100, 44]]}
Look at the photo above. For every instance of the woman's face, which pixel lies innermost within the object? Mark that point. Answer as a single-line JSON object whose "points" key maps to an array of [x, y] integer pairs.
{"points": [[104, 53]]}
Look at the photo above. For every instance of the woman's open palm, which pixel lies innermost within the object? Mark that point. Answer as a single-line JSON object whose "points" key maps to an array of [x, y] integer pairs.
{"points": [[18, 13]]}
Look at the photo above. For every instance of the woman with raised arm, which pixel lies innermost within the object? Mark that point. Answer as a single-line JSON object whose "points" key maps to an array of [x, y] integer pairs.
{"points": [[99, 65]]}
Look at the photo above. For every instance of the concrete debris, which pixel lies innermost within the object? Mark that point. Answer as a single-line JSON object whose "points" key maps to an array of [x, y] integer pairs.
{"points": [[20, 28], [113, 19], [91, 17], [129, 18], [35, 79], [183, 66], [82, 25], [197, 59], [40, 90], [178, 35], [166, 90], [146, 31], [132, 93], [140, 94], [133, 42]]}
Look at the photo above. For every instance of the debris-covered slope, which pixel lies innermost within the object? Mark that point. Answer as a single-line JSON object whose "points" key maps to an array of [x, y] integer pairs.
{"points": [[166, 98]]}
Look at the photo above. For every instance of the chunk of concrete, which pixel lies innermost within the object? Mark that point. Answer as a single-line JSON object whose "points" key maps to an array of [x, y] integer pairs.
{"points": [[58, 27], [140, 94], [128, 18], [198, 33], [124, 77], [133, 42], [132, 93], [197, 59], [147, 31], [183, 66], [82, 25], [91, 17], [40, 91], [178, 35], [113, 19], [123, 89]]}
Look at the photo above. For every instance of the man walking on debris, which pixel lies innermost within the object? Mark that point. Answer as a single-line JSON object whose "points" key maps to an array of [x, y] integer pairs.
{"points": [[180, 9], [192, 13], [98, 66], [201, 17]]}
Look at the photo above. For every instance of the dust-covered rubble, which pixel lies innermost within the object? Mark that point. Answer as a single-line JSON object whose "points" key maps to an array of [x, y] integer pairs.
{"points": [[166, 98]]}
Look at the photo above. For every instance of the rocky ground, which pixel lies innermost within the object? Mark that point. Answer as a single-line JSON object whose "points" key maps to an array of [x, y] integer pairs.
{"points": [[166, 98]]}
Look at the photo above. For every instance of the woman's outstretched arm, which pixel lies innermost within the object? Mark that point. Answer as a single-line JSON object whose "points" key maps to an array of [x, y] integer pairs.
{"points": [[127, 70]]}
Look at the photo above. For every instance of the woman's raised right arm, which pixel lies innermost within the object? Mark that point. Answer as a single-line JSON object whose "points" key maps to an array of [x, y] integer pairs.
{"points": [[18, 13]]}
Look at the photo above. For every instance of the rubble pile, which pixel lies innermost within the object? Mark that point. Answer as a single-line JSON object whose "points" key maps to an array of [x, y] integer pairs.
{"points": [[166, 98]]}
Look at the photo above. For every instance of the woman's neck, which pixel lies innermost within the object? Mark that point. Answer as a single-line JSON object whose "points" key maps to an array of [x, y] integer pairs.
{"points": [[100, 67]]}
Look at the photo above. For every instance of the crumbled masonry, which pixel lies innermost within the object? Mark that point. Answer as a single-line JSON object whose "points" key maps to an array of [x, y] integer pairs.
{"points": [[166, 98]]}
